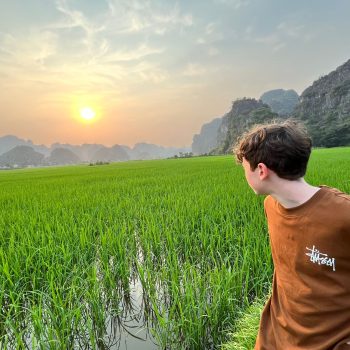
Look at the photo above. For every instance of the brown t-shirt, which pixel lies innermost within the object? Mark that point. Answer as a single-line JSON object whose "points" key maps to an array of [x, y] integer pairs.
{"points": [[310, 303]]}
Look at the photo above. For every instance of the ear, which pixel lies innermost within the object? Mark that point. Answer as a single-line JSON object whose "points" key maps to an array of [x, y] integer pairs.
{"points": [[263, 171]]}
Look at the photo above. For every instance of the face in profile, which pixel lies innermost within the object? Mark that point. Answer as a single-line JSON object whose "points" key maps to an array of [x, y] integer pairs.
{"points": [[253, 177]]}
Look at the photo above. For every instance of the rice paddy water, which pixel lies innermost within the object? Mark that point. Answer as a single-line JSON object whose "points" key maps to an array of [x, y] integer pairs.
{"points": [[168, 251]]}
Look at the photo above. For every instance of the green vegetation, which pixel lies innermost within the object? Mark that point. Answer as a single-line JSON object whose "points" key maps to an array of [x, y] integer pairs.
{"points": [[98, 163], [244, 114], [323, 108], [73, 240], [246, 328]]}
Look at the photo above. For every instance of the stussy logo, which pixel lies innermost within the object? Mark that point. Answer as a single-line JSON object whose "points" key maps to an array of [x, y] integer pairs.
{"points": [[320, 258]]}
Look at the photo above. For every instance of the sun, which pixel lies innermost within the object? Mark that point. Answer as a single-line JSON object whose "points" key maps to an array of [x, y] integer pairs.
{"points": [[87, 113]]}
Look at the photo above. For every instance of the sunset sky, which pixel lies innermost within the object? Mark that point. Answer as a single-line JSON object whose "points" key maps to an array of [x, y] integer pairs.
{"points": [[155, 71]]}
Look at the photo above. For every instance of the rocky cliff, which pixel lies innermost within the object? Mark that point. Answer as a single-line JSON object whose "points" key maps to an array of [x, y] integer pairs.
{"points": [[9, 142], [325, 108], [244, 114], [115, 153], [62, 156], [206, 140], [21, 156], [281, 101]]}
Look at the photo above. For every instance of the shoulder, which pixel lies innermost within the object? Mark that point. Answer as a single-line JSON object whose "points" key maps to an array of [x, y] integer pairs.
{"points": [[336, 195], [336, 205]]}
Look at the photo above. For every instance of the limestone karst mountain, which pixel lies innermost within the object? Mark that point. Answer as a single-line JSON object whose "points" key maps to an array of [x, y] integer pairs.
{"points": [[244, 113], [84, 151], [62, 156], [325, 108], [218, 135], [207, 139], [8, 142], [21, 156], [110, 154], [281, 101]]}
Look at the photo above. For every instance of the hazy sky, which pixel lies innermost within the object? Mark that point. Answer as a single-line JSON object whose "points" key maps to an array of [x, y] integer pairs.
{"points": [[155, 71]]}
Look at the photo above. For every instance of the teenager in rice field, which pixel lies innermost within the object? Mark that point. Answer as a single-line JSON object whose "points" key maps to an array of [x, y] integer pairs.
{"points": [[309, 232]]}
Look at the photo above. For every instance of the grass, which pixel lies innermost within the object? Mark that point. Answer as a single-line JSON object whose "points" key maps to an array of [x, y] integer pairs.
{"points": [[74, 239], [244, 333], [246, 328]]}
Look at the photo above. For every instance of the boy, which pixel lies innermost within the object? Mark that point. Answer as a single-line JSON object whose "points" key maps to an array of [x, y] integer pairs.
{"points": [[309, 231]]}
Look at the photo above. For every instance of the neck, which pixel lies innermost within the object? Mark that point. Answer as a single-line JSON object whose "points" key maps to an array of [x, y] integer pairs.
{"points": [[292, 193]]}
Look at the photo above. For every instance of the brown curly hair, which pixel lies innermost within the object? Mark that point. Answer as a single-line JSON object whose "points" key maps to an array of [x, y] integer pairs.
{"points": [[284, 147]]}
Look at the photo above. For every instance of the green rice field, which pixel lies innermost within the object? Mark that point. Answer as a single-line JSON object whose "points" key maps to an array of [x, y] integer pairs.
{"points": [[161, 254]]}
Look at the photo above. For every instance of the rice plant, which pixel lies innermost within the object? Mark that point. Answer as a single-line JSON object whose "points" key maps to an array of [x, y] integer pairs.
{"points": [[170, 251]]}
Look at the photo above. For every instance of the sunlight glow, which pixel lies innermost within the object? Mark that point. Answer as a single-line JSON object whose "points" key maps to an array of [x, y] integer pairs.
{"points": [[87, 113]]}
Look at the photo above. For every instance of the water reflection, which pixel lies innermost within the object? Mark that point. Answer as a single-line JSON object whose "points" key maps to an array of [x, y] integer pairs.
{"points": [[131, 329], [126, 328]]}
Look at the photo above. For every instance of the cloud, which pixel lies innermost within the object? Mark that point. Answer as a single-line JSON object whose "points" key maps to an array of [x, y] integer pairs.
{"points": [[74, 18], [135, 16], [275, 41], [209, 29], [309, 36], [212, 34], [249, 30], [108, 54], [193, 70], [296, 31], [283, 34], [293, 31], [140, 52], [33, 49], [7, 44], [150, 72], [279, 46], [175, 17], [236, 4], [213, 51], [39, 63], [271, 39]]}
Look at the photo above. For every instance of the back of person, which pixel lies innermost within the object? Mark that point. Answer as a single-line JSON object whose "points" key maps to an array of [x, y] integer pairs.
{"points": [[310, 303], [309, 231]]}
